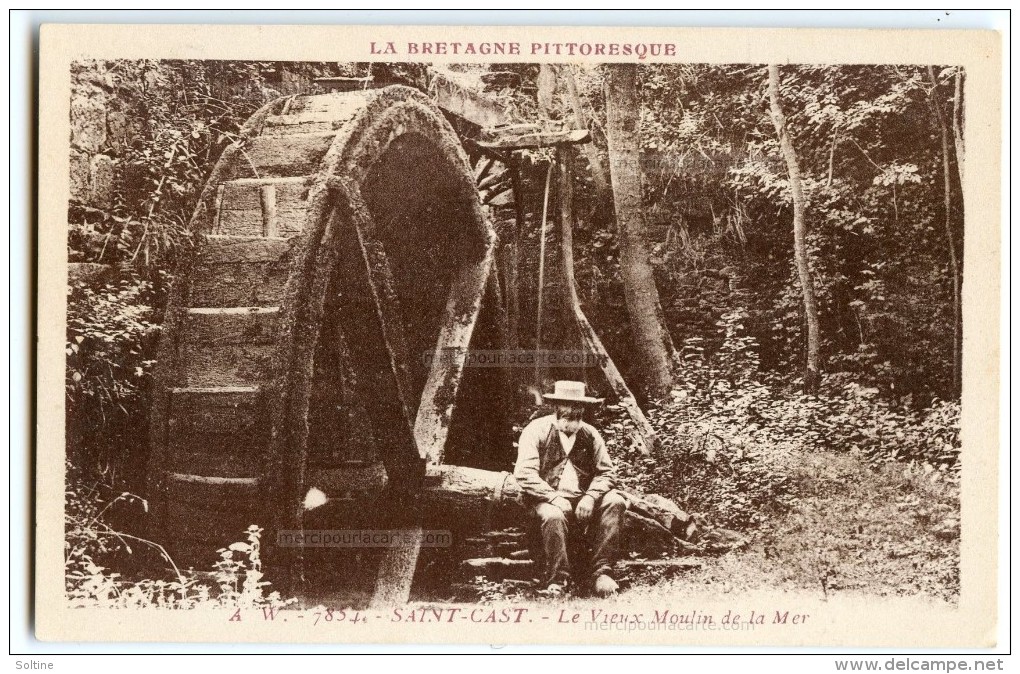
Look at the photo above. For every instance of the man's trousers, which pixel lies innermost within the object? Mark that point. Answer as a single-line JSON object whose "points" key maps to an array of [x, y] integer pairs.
{"points": [[602, 535]]}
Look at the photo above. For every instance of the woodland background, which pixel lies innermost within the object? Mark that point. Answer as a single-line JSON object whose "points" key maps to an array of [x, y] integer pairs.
{"points": [[880, 153]]}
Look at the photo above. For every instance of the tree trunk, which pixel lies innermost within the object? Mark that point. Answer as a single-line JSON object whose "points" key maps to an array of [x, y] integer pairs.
{"points": [[653, 346], [591, 153], [954, 261], [471, 498], [812, 372], [958, 122], [644, 435]]}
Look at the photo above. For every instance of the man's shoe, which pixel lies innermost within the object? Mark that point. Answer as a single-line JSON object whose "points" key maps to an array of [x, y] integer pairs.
{"points": [[605, 586], [554, 590]]}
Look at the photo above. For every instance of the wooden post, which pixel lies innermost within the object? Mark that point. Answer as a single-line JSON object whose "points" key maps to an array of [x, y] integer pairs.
{"points": [[267, 197]]}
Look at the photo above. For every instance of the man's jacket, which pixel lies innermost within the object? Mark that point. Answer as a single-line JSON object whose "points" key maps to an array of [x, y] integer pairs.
{"points": [[541, 459]]}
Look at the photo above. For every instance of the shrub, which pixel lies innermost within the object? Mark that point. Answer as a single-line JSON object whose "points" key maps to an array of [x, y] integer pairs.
{"points": [[729, 430], [110, 354]]}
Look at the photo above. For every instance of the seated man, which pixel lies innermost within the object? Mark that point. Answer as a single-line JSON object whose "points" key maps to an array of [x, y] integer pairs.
{"points": [[567, 477]]}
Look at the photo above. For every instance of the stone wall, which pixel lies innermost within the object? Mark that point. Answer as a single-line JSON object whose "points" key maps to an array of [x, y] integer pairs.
{"points": [[99, 127]]}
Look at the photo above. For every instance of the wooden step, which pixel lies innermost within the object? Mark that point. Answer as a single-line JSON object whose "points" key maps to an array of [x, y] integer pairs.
{"points": [[339, 106], [210, 510], [186, 522], [235, 271], [269, 207], [224, 326], [221, 456], [228, 249], [351, 477], [219, 431], [213, 493], [228, 365], [293, 155], [303, 122]]}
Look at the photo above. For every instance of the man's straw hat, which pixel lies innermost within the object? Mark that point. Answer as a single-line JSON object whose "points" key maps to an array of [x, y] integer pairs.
{"points": [[566, 391]]}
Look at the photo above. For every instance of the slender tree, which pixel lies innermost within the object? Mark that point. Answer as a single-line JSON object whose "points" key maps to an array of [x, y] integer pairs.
{"points": [[812, 372], [654, 348], [958, 121], [947, 202]]}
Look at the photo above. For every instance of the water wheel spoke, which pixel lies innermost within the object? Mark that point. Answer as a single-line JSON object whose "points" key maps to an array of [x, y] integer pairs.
{"points": [[440, 393], [384, 292]]}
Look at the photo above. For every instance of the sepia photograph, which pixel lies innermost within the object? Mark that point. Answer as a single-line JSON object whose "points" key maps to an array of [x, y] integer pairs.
{"points": [[578, 335]]}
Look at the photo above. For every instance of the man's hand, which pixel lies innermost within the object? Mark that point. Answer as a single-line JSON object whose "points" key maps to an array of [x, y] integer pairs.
{"points": [[584, 509], [563, 504]]}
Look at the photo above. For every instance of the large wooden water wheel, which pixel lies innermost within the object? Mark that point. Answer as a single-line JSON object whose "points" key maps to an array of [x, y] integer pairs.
{"points": [[343, 245], [316, 341]]}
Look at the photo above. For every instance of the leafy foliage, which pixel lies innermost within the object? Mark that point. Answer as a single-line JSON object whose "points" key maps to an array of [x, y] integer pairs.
{"points": [[732, 433], [173, 119], [111, 333], [92, 545], [867, 138]]}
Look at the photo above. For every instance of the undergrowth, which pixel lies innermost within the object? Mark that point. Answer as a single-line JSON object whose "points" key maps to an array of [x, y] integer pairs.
{"points": [[731, 435], [93, 548]]}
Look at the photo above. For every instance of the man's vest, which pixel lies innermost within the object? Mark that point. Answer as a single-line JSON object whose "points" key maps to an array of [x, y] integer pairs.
{"points": [[552, 458]]}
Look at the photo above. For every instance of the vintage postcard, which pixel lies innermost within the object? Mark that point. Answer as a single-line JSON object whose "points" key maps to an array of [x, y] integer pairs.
{"points": [[518, 335]]}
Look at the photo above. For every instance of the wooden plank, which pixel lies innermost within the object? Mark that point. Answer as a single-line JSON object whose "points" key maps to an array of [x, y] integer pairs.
{"points": [[241, 271], [282, 130], [226, 249], [251, 222], [337, 481], [456, 99], [227, 435], [533, 140], [267, 194], [239, 284], [340, 106], [302, 118], [287, 155], [219, 326], [218, 455], [215, 432], [213, 497], [210, 408], [193, 417], [228, 365], [213, 480], [344, 83], [244, 193]]}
